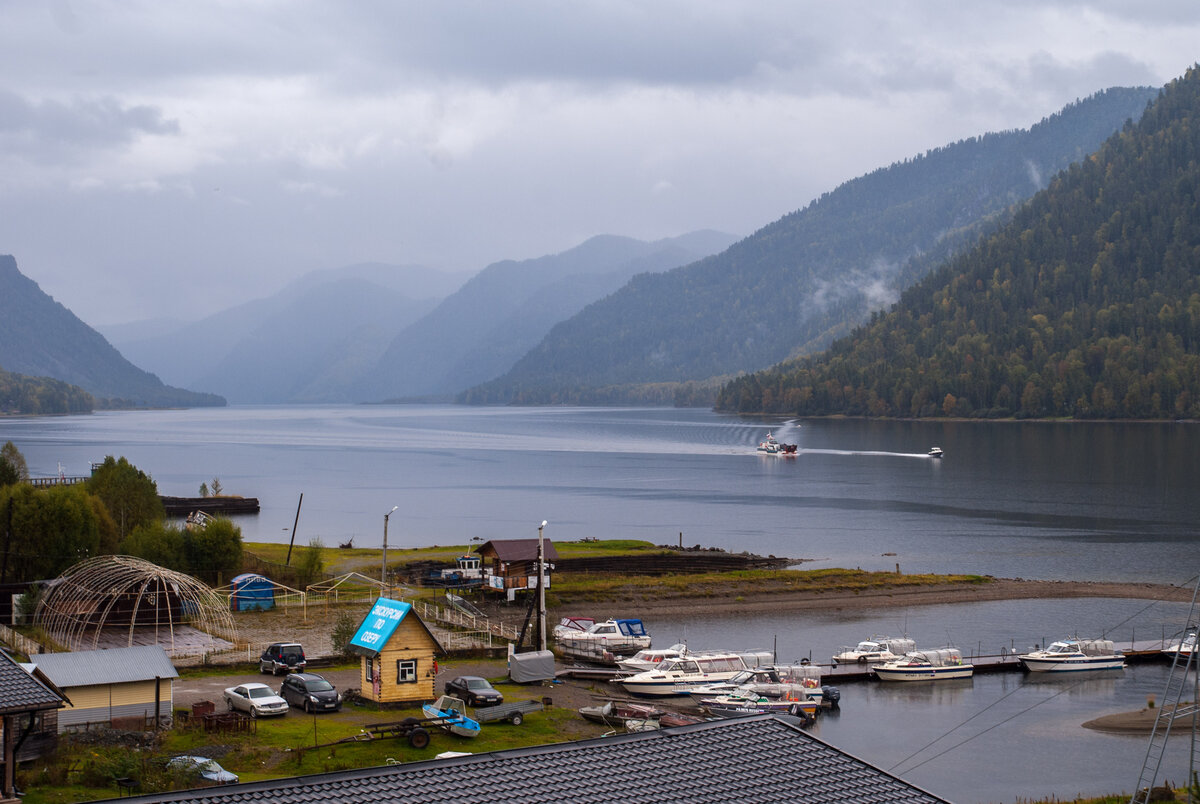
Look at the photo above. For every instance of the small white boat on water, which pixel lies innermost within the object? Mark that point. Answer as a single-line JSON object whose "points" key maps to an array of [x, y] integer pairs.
{"points": [[935, 452], [874, 650], [772, 447], [452, 713], [925, 665], [766, 679], [677, 676], [789, 699], [1074, 655]]}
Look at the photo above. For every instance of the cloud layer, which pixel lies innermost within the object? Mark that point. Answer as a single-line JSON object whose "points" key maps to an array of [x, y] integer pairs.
{"points": [[171, 159]]}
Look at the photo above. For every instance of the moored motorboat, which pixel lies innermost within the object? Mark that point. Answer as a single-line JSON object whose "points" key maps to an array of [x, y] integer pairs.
{"points": [[925, 665], [1182, 649], [790, 698], [650, 658], [602, 642], [874, 650], [451, 713], [765, 679], [1073, 655], [677, 676]]}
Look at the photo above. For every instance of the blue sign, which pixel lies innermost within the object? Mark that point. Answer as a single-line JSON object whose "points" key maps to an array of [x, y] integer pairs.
{"points": [[380, 624]]}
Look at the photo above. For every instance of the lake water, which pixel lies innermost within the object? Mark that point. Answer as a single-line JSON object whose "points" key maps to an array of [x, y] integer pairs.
{"points": [[1089, 501]]}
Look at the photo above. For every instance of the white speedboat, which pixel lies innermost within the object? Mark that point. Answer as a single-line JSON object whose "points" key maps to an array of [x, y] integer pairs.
{"points": [[925, 665], [1073, 655], [874, 650], [935, 452], [651, 658], [789, 699], [772, 447], [603, 642], [1184, 648], [677, 676]]}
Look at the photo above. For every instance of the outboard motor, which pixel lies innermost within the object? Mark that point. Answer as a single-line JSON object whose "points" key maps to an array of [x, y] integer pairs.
{"points": [[832, 695]]}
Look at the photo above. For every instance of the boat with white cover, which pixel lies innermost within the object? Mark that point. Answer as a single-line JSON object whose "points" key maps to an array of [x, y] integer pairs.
{"points": [[677, 676], [925, 665], [766, 679], [650, 658], [874, 650], [1074, 655], [602, 642]]}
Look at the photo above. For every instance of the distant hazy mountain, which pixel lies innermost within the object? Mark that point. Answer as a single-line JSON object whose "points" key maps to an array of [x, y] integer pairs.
{"points": [[480, 331], [41, 338], [793, 286], [306, 343]]}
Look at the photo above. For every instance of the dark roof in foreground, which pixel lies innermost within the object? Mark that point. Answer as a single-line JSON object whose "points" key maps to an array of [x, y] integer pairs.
{"points": [[21, 691], [757, 759]]}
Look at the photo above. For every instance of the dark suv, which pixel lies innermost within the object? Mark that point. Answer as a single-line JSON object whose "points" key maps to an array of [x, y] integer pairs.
{"points": [[310, 692], [282, 657]]}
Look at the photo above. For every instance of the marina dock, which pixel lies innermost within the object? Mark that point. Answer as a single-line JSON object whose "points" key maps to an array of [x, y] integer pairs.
{"points": [[1139, 652]]}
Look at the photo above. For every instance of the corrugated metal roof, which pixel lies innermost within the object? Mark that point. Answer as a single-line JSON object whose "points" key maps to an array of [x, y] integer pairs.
{"points": [[112, 666], [757, 758]]}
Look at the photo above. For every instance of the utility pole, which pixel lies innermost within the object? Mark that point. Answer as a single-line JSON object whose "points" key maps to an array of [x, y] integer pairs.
{"points": [[541, 589]]}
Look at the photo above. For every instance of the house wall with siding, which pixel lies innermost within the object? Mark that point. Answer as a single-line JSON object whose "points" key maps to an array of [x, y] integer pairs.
{"points": [[100, 703], [410, 641]]}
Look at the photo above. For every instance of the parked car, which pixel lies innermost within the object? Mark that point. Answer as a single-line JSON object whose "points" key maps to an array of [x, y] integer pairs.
{"points": [[282, 657], [475, 691], [255, 699], [206, 768], [310, 692]]}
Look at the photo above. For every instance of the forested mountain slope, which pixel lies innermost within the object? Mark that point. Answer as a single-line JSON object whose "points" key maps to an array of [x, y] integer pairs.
{"points": [[1087, 304], [797, 283], [32, 396], [41, 338]]}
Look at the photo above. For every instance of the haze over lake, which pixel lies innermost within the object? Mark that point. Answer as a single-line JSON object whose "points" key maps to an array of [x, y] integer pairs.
{"points": [[1102, 501]]}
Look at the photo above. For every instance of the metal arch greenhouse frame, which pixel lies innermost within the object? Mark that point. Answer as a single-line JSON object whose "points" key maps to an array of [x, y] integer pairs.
{"points": [[124, 591]]}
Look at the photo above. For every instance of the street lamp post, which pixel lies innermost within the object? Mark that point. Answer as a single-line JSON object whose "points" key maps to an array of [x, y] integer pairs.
{"points": [[383, 567], [541, 589]]}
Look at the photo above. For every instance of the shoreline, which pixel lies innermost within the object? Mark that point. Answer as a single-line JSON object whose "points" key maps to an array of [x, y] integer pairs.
{"points": [[747, 601]]}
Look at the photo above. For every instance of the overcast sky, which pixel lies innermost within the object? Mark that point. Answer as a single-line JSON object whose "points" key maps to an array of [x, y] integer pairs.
{"points": [[173, 159]]}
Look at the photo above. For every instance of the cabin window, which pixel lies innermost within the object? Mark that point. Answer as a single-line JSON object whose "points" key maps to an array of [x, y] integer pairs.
{"points": [[406, 671], [689, 667]]}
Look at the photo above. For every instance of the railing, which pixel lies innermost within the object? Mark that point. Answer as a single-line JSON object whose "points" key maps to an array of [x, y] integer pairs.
{"points": [[464, 621]]}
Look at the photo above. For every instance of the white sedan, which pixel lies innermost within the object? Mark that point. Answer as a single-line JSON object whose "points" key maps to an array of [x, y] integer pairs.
{"points": [[255, 699]]}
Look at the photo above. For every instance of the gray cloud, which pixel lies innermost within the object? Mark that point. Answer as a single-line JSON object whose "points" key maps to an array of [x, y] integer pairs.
{"points": [[156, 154]]}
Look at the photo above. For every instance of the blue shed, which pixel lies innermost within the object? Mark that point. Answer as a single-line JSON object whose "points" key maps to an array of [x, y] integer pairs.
{"points": [[251, 591]]}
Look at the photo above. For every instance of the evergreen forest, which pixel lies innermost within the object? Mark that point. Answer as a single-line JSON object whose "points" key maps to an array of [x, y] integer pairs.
{"points": [[1085, 305]]}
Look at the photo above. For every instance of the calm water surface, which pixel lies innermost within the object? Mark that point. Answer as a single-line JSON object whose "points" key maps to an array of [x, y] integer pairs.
{"points": [[1057, 501]]}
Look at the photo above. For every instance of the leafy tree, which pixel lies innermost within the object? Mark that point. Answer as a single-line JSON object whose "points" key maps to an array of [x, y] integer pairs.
{"points": [[203, 489], [310, 564], [12, 465], [214, 552], [161, 543], [130, 494], [48, 530], [344, 629]]}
